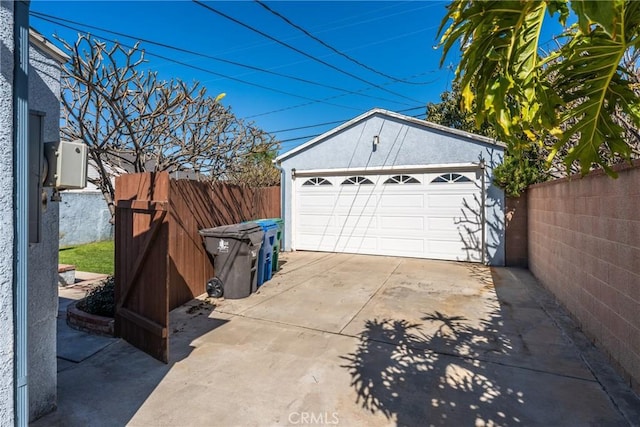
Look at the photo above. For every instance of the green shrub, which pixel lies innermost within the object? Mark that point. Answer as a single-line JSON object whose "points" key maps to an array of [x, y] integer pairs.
{"points": [[101, 300], [516, 173]]}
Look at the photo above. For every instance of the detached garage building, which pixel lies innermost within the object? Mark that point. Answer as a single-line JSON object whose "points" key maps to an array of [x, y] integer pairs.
{"points": [[388, 184]]}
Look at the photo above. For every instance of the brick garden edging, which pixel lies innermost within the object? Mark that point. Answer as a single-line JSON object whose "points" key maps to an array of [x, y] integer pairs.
{"points": [[91, 323], [66, 274]]}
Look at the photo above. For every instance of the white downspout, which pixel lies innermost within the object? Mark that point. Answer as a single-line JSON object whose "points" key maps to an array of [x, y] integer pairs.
{"points": [[483, 214], [282, 197]]}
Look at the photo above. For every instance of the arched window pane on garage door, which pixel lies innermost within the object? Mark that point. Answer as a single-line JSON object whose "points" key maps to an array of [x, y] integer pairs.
{"points": [[402, 179], [357, 180], [316, 181], [450, 177]]}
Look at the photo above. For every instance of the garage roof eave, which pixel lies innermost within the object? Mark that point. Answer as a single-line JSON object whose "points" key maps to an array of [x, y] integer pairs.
{"points": [[375, 170], [409, 119], [39, 41]]}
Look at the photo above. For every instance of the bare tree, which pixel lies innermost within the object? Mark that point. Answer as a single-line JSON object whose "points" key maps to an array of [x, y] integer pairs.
{"points": [[134, 122], [256, 169]]}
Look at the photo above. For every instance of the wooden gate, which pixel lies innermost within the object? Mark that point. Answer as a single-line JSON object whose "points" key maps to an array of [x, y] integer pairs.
{"points": [[160, 261], [142, 303]]}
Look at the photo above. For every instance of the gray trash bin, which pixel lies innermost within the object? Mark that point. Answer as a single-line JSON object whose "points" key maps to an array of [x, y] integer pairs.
{"points": [[235, 250]]}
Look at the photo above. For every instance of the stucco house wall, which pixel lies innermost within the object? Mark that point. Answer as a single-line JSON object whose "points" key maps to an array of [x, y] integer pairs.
{"points": [[44, 96], [6, 214], [403, 141]]}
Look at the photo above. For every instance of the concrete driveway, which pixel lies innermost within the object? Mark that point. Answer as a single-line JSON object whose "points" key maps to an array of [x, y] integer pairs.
{"points": [[354, 340]]}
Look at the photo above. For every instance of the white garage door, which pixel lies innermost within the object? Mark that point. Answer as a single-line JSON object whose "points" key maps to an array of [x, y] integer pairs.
{"points": [[422, 215]]}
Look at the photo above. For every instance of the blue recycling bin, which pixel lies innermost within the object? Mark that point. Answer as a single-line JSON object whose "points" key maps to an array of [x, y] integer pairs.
{"points": [[265, 256], [277, 245]]}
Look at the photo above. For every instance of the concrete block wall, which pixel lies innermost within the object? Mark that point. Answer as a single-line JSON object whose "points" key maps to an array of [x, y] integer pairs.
{"points": [[584, 246]]}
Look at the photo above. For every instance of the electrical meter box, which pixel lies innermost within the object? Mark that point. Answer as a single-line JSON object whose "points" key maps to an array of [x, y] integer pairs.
{"points": [[66, 165]]}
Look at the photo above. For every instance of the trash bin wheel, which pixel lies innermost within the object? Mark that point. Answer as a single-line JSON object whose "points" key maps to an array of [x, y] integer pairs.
{"points": [[214, 287]]}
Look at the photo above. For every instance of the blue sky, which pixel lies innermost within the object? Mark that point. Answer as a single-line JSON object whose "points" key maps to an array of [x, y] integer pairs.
{"points": [[393, 38]]}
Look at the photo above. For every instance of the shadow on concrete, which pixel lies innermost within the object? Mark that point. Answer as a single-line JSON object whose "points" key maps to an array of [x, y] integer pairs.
{"points": [[103, 391], [75, 346], [394, 368], [397, 364], [510, 365]]}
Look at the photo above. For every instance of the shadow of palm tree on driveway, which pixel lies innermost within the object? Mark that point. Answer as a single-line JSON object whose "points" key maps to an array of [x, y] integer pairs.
{"points": [[415, 378]]}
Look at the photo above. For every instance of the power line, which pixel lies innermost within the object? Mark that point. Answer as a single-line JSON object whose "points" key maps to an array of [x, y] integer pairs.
{"points": [[299, 138], [332, 25], [204, 70], [54, 20], [301, 52], [307, 127], [333, 49], [332, 28], [279, 110], [335, 121], [48, 17], [386, 16]]}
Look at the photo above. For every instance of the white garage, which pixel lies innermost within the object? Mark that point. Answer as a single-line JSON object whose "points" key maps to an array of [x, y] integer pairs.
{"points": [[358, 189]]}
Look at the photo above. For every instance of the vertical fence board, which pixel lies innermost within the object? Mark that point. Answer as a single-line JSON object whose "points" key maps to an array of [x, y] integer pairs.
{"points": [[192, 209]]}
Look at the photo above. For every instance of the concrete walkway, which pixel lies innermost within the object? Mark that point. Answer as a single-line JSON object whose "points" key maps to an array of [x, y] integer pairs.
{"points": [[74, 346], [358, 340]]}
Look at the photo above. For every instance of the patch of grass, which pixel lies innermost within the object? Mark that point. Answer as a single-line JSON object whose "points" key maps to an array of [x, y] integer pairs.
{"points": [[92, 257]]}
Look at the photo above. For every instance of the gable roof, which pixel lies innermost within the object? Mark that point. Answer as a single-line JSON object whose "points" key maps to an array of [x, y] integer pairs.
{"points": [[391, 114], [39, 41]]}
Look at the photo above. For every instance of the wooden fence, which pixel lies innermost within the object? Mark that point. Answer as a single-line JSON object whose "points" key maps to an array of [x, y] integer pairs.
{"points": [[160, 260]]}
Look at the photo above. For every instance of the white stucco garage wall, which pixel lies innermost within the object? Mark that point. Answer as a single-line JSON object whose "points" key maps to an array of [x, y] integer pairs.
{"points": [[402, 141]]}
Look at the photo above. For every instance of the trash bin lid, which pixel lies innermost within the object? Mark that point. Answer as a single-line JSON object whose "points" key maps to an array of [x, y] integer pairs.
{"points": [[235, 231], [267, 224], [276, 220]]}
